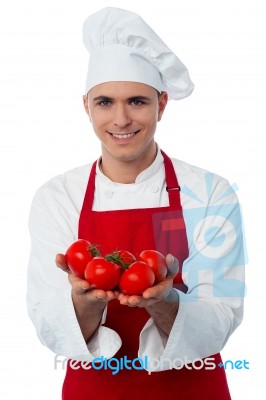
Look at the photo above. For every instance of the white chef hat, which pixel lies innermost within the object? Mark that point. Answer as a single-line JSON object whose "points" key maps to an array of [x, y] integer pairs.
{"points": [[123, 47]]}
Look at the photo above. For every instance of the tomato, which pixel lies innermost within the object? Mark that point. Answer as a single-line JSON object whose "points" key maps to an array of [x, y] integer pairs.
{"points": [[121, 257], [78, 255], [127, 257], [136, 279], [157, 262], [103, 274]]}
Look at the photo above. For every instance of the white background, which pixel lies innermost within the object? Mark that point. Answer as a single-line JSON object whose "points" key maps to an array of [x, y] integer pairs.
{"points": [[44, 131]]}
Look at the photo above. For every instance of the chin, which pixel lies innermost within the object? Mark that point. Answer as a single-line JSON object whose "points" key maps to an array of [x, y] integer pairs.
{"points": [[126, 157]]}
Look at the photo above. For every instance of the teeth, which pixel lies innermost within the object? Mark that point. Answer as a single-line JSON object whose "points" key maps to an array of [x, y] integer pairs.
{"points": [[124, 136]]}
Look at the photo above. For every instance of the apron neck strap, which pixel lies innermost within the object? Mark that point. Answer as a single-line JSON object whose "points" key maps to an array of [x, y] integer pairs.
{"points": [[172, 185], [89, 196]]}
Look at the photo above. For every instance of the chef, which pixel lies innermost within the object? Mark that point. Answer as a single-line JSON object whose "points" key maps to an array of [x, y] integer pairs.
{"points": [[135, 197]]}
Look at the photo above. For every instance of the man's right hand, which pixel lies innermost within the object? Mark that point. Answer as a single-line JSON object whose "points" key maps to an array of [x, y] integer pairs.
{"points": [[89, 303]]}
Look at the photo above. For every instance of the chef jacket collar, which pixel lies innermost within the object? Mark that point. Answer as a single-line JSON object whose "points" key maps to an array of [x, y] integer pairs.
{"points": [[145, 175]]}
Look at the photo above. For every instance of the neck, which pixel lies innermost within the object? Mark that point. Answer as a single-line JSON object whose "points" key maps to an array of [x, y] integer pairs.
{"points": [[126, 171]]}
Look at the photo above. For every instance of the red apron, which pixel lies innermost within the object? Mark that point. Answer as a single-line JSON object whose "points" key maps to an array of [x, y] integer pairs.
{"points": [[135, 230]]}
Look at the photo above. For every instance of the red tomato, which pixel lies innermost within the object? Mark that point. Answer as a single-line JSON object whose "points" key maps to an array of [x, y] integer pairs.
{"points": [[157, 262], [121, 257], [103, 274], [77, 256], [127, 257], [136, 279]]}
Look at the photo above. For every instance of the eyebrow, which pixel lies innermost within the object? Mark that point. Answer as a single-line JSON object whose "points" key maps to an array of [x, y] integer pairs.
{"points": [[101, 98], [104, 98], [144, 98]]}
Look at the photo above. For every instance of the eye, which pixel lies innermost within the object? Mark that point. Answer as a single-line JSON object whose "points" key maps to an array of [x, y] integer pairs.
{"points": [[137, 102], [104, 103]]}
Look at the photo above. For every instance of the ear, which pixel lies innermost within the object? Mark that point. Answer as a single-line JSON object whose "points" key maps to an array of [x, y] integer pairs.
{"points": [[86, 105], [163, 99]]}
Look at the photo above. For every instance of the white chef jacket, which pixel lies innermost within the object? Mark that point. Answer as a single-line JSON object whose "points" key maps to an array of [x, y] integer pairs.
{"points": [[204, 321]]}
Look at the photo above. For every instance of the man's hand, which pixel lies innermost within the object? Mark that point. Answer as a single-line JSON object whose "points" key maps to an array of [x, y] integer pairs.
{"points": [[161, 301], [163, 291], [89, 303], [81, 286]]}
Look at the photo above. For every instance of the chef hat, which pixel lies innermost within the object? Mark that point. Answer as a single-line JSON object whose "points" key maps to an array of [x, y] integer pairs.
{"points": [[123, 47]]}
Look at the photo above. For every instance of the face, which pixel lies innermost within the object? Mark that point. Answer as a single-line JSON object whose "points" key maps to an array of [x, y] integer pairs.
{"points": [[124, 116]]}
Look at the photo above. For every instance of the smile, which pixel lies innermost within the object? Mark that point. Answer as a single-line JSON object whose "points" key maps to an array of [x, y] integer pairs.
{"points": [[123, 135]]}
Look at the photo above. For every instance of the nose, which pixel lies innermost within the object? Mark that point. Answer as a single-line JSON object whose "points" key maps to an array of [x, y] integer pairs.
{"points": [[121, 116]]}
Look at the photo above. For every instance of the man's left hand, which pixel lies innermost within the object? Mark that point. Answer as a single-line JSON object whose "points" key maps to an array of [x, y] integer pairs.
{"points": [[163, 291]]}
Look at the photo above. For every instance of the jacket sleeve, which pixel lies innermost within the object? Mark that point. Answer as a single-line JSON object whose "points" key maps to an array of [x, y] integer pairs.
{"points": [[212, 308], [49, 298]]}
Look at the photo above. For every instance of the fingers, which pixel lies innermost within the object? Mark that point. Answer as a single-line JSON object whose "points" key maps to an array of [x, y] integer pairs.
{"points": [[149, 296], [162, 289], [130, 301], [158, 291], [80, 286], [101, 295], [173, 265], [61, 263], [138, 301], [153, 292]]}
